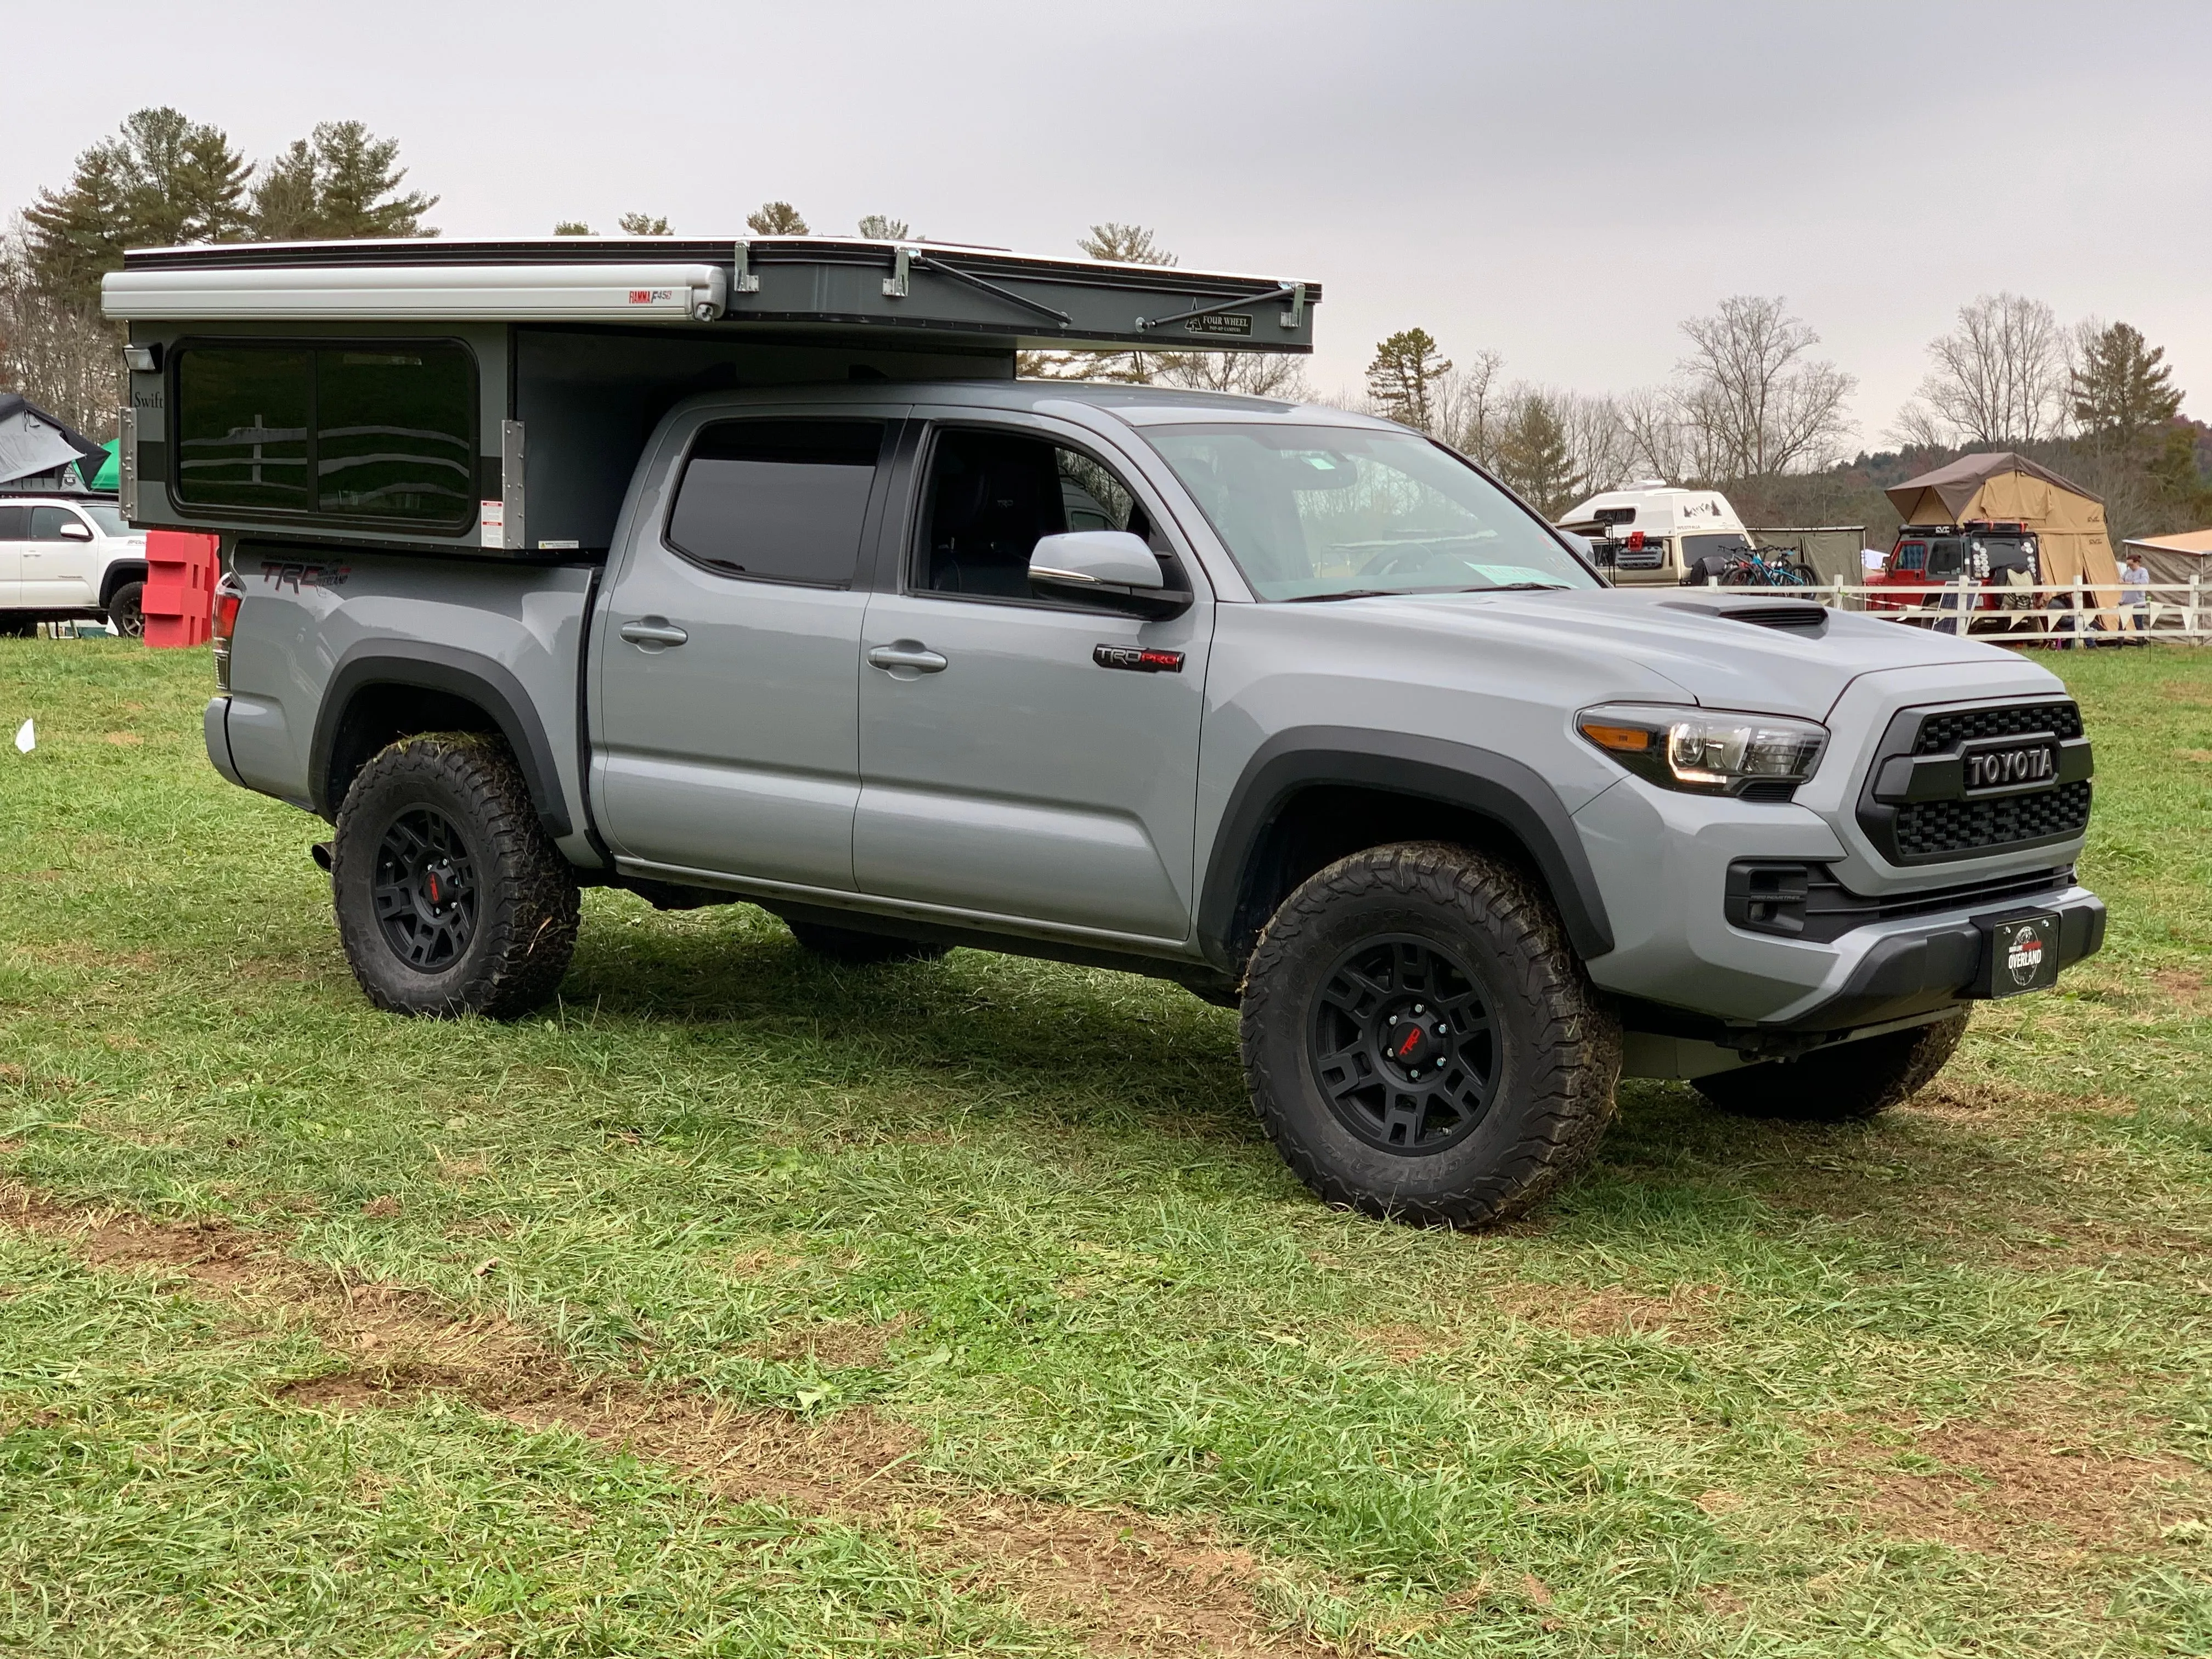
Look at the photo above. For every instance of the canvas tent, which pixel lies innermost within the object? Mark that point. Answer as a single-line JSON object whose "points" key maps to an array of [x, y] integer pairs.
{"points": [[2176, 558], [34, 444], [2067, 521]]}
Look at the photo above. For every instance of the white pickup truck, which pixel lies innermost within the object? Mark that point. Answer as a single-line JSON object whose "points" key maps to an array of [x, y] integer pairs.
{"points": [[63, 556]]}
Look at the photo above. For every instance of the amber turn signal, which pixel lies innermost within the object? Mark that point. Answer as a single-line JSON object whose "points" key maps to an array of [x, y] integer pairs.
{"points": [[1622, 739]]}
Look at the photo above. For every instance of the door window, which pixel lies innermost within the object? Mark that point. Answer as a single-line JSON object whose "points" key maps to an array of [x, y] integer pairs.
{"points": [[14, 523], [46, 523], [777, 501], [992, 496]]}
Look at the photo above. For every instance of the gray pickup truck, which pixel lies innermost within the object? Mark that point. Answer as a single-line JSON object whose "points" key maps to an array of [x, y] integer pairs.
{"points": [[1296, 707]]}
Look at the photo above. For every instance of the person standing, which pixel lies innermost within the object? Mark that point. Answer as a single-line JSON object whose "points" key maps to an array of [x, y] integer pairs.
{"points": [[2135, 595]]}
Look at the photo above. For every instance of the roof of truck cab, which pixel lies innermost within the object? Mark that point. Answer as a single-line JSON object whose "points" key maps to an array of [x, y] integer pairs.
{"points": [[1139, 405], [764, 284]]}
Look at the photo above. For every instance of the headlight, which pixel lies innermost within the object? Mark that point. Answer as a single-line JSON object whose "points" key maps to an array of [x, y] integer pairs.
{"points": [[1705, 751]]}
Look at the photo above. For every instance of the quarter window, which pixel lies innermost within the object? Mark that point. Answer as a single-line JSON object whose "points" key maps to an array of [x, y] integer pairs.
{"points": [[778, 500]]}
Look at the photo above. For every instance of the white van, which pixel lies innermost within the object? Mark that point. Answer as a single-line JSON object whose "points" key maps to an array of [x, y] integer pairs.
{"points": [[1652, 534]]}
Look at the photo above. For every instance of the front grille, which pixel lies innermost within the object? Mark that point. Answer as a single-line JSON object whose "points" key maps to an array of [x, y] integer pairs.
{"points": [[1939, 733], [1796, 900], [1934, 828]]}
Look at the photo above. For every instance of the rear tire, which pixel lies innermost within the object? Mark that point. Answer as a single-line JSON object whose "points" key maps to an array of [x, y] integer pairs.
{"points": [[1421, 1041], [1847, 1083], [860, 948], [451, 897], [126, 608], [18, 625]]}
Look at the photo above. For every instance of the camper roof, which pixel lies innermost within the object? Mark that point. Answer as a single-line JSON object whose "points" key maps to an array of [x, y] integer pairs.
{"points": [[768, 284]]}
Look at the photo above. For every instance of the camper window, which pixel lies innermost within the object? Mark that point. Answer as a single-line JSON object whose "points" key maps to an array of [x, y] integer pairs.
{"points": [[382, 432]]}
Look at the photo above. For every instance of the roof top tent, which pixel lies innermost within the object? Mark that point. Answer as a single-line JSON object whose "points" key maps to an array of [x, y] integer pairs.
{"points": [[40, 453], [496, 396], [2178, 558], [2003, 488]]}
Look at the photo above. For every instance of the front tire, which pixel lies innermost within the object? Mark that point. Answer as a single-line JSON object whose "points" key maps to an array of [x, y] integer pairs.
{"points": [[1421, 1041], [451, 898], [1848, 1083], [126, 608]]}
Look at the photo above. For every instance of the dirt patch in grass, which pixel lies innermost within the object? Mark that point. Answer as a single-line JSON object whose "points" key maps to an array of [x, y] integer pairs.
{"points": [[1126, 1583], [2003, 1487], [834, 1344], [2185, 989], [1686, 1311]]}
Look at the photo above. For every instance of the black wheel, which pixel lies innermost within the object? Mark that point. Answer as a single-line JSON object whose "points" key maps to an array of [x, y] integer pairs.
{"points": [[858, 946], [1421, 1041], [451, 898], [18, 625], [1850, 1081], [126, 608]]}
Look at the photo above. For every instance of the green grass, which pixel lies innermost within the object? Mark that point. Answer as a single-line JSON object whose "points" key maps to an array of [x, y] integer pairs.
{"points": [[1938, 1386]]}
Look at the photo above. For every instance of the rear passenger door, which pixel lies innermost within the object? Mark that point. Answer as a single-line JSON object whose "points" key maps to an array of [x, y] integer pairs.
{"points": [[58, 560], [1007, 771], [726, 736], [14, 530]]}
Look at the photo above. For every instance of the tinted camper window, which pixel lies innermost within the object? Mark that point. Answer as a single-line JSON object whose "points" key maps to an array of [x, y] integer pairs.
{"points": [[777, 501], [383, 433]]}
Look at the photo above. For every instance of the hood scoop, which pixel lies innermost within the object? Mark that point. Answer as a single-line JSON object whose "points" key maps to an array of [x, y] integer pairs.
{"points": [[1792, 616]]}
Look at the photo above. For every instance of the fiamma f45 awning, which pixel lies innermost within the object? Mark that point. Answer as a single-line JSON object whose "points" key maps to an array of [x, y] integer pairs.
{"points": [[780, 283], [579, 292]]}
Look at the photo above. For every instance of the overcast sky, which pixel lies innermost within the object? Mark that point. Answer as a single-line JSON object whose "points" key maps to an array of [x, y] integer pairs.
{"points": [[1561, 183]]}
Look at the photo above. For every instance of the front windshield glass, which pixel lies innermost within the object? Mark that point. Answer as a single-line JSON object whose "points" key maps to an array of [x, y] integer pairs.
{"points": [[109, 520], [1312, 511]]}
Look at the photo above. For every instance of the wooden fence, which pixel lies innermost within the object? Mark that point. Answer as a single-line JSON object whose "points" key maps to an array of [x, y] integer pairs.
{"points": [[2046, 614]]}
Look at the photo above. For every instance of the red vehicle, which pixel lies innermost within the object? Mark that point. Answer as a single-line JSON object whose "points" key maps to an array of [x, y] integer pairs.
{"points": [[1999, 556]]}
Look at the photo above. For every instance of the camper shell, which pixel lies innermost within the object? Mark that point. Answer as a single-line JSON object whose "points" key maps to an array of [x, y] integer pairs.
{"points": [[1654, 534], [495, 397]]}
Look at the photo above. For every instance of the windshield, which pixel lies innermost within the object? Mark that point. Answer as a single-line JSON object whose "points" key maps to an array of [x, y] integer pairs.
{"points": [[109, 520], [1311, 512]]}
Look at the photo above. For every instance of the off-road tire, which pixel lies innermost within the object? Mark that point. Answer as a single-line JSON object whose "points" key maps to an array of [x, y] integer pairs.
{"points": [[860, 948], [1850, 1082], [524, 901], [1556, 1044], [126, 608]]}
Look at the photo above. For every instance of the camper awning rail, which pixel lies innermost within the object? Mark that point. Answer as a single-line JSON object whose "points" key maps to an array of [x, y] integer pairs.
{"points": [[774, 284]]}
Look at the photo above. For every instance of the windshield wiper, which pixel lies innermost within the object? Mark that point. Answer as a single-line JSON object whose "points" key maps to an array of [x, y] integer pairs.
{"points": [[1517, 587], [1350, 593]]}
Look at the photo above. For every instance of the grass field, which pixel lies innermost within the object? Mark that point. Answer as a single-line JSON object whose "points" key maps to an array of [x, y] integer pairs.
{"points": [[742, 1305]]}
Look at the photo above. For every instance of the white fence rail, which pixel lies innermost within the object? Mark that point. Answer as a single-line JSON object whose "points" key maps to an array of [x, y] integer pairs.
{"points": [[2046, 614]]}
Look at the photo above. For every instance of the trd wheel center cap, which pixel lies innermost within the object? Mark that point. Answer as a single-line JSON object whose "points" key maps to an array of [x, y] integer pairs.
{"points": [[1413, 1043]]}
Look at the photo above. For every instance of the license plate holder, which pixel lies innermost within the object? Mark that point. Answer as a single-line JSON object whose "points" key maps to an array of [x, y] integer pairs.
{"points": [[2019, 955]]}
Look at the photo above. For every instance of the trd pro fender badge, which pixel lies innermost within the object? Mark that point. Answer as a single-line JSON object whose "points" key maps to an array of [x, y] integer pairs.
{"points": [[1137, 661]]}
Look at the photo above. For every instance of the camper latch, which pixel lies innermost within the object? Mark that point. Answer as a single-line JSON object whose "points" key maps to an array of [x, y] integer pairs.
{"points": [[742, 280], [896, 284]]}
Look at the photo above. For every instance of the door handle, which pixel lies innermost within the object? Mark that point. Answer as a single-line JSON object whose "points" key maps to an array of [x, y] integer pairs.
{"points": [[653, 632], [907, 653]]}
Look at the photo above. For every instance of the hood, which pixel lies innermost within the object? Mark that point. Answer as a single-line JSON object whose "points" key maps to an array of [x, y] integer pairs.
{"points": [[1685, 637]]}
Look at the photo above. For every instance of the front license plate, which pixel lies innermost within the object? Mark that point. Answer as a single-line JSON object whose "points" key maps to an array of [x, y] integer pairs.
{"points": [[2020, 956]]}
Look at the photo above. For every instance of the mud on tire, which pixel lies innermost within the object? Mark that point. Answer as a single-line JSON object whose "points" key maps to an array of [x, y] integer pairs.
{"points": [[451, 898], [1854, 1080], [1421, 1041]]}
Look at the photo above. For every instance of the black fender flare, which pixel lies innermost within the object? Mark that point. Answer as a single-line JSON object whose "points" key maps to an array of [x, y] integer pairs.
{"points": [[1508, 791], [117, 572], [487, 684]]}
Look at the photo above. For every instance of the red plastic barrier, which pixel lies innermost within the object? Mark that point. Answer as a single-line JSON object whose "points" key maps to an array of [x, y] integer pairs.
{"points": [[181, 576]]}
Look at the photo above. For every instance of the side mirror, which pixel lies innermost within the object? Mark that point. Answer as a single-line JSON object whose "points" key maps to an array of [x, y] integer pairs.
{"points": [[1109, 568], [74, 532]]}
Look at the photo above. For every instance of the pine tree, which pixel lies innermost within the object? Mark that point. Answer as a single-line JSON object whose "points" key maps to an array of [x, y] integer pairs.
{"points": [[643, 224], [163, 179], [572, 228], [880, 227], [1533, 456], [1402, 379], [339, 183], [1128, 244], [2123, 389], [776, 219]]}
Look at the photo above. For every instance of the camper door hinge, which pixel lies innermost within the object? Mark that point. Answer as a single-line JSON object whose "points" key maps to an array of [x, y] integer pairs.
{"points": [[742, 280], [126, 461], [896, 285], [1295, 313]]}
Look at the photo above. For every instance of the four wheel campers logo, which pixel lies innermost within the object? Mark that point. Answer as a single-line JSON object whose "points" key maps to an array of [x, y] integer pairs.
{"points": [[2023, 945]]}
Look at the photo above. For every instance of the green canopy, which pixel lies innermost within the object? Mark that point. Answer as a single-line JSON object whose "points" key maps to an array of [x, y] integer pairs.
{"points": [[106, 477]]}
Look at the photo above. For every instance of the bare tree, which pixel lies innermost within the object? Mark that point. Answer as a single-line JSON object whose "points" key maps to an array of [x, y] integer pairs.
{"points": [[1651, 433], [1755, 400], [1467, 402], [1253, 373], [63, 357], [1599, 444], [1999, 380]]}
